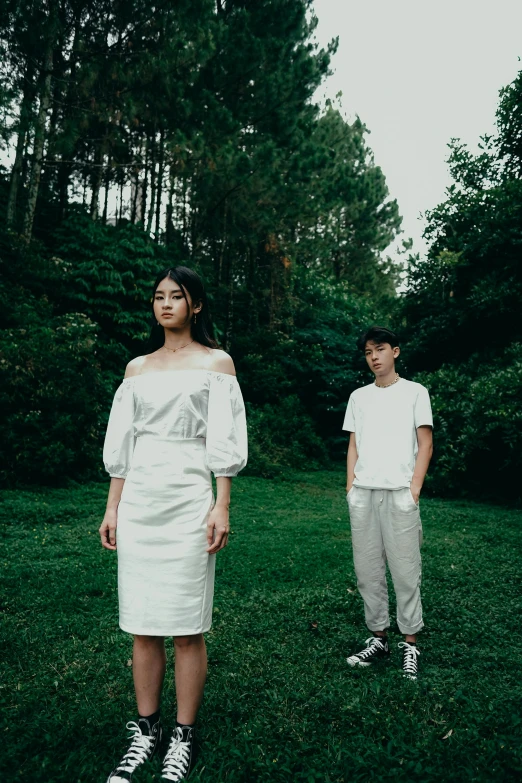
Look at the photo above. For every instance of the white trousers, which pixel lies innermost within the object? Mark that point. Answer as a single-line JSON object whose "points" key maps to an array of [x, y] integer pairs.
{"points": [[386, 526]]}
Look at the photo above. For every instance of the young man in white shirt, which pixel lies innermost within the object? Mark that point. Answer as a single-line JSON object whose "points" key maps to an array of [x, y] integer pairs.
{"points": [[390, 425]]}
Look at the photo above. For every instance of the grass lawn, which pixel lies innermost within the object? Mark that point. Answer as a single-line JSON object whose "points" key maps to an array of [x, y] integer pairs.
{"points": [[281, 703]]}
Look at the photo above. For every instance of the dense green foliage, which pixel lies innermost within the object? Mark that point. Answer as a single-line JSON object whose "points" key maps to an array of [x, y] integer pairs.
{"points": [[281, 703], [479, 427], [461, 314], [69, 327], [199, 119], [57, 364], [188, 132]]}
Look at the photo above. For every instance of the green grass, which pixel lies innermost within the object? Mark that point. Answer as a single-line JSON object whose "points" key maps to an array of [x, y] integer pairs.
{"points": [[281, 703]]}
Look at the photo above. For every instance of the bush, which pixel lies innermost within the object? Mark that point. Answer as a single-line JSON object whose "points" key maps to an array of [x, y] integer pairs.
{"points": [[107, 273], [54, 401], [282, 436], [318, 362], [71, 317], [477, 428]]}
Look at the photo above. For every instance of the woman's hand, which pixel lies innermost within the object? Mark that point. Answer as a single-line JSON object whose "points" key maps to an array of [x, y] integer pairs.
{"points": [[108, 529], [218, 529]]}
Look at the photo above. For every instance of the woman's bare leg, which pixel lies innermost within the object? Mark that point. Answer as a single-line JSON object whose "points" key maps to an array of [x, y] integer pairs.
{"points": [[148, 670], [191, 673]]}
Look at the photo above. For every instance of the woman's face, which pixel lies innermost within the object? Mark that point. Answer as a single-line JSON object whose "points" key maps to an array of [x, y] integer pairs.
{"points": [[170, 306]]}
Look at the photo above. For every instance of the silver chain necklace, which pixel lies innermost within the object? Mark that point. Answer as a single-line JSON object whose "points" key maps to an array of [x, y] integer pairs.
{"points": [[397, 378]]}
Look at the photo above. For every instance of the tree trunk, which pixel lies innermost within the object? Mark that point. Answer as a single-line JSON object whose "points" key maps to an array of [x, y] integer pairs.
{"points": [[99, 157], [64, 175], [273, 296], [120, 216], [223, 244], [143, 200], [25, 114], [184, 210], [229, 328], [193, 219], [65, 168], [39, 136], [169, 224], [49, 174], [159, 189], [26, 166], [107, 188], [152, 183], [136, 184], [253, 310]]}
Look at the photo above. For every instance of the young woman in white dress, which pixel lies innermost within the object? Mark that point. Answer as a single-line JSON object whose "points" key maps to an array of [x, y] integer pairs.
{"points": [[177, 416]]}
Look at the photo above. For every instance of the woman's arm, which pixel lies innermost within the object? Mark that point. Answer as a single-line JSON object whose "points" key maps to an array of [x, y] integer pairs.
{"points": [[218, 526], [110, 520], [351, 459]]}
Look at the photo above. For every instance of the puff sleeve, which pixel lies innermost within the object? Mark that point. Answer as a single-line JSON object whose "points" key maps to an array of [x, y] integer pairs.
{"points": [[120, 437], [227, 448]]}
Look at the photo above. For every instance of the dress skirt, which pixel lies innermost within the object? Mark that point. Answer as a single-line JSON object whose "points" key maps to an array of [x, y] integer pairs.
{"points": [[165, 574]]}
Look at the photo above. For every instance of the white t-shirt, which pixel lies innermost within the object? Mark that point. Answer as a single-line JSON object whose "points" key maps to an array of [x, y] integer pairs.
{"points": [[385, 422]]}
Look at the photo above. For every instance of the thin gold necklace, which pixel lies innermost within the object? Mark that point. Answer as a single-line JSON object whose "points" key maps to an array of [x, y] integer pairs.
{"points": [[397, 378], [173, 350]]}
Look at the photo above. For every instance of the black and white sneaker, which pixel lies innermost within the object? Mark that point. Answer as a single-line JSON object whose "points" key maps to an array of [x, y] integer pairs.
{"points": [[410, 660], [377, 649], [145, 741], [179, 758]]}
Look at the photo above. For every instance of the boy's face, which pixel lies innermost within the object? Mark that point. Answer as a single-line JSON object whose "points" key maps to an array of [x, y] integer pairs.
{"points": [[381, 357]]}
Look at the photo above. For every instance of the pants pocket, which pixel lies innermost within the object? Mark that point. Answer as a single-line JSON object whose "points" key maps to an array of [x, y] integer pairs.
{"points": [[412, 498]]}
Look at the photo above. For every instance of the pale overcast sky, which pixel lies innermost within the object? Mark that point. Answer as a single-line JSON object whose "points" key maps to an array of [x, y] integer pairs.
{"points": [[419, 73]]}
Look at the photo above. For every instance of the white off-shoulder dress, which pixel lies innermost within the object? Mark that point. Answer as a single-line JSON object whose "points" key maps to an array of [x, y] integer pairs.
{"points": [[167, 431]]}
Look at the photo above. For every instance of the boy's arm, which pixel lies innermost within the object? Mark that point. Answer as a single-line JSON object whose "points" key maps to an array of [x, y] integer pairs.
{"points": [[351, 459], [425, 443]]}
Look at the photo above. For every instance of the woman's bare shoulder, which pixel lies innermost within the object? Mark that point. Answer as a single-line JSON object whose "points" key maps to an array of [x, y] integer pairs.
{"points": [[220, 361], [135, 366]]}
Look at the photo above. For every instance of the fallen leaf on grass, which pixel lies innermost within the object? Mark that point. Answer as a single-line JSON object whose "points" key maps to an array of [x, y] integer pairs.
{"points": [[450, 732], [129, 662]]}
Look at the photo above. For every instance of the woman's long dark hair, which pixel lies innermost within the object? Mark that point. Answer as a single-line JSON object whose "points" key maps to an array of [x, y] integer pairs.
{"points": [[202, 331]]}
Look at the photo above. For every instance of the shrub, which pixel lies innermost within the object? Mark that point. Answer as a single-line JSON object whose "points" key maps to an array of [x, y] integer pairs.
{"points": [[54, 401], [477, 428], [107, 272], [282, 436]]}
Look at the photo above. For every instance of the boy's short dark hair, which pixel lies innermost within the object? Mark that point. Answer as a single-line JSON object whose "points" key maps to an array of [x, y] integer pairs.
{"points": [[378, 334]]}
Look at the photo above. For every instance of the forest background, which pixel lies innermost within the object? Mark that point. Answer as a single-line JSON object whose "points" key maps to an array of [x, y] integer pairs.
{"points": [[198, 119]]}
